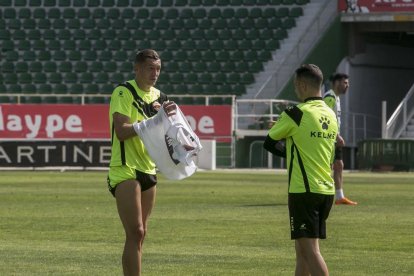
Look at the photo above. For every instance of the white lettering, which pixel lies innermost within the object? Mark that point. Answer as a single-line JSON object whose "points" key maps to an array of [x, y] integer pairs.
{"points": [[63, 153], [33, 124], [206, 125], [14, 123], [24, 151], [73, 123], [54, 123], [46, 148], [34, 127], [3, 155], [1, 119], [104, 155], [77, 151]]}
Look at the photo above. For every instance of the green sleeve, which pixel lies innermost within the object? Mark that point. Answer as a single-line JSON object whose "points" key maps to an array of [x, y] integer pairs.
{"points": [[330, 101], [283, 128], [121, 101]]}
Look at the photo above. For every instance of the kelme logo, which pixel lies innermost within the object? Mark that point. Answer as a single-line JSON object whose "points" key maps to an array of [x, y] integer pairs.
{"points": [[324, 122]]}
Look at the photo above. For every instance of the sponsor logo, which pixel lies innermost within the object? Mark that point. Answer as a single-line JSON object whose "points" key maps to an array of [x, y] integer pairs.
{"points": [[324, 122], [320, 134]]}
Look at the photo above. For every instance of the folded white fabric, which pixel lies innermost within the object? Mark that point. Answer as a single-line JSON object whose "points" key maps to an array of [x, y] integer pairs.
{"points": [[171, 143]]}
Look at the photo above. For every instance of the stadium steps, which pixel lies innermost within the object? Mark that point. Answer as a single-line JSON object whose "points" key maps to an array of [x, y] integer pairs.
{"points": [[409, 130], [310, 13], [279, 63]]}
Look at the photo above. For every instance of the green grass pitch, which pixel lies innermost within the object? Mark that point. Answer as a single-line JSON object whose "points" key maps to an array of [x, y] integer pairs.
{"points": [[213, 223]]}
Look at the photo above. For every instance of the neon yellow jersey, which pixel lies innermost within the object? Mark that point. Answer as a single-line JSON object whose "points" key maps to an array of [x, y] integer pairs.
{"points": [[310, 130], [129, 100]]}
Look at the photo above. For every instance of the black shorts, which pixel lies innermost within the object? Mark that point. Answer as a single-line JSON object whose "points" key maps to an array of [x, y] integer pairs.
{"points": [[308, 213], [338, 153], [146, 181]]}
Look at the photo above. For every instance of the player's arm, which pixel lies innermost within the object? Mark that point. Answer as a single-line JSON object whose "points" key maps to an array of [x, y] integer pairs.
{"points": [[330, 101], [276, 147], [282, 128], [340, 142], [122, 126]]}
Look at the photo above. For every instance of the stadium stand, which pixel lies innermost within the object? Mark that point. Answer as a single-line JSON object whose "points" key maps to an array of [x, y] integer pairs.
{"points": [[78, 46]]}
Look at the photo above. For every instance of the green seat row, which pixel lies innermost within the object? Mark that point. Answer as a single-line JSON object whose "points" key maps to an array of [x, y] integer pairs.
{"points": [[59, 88], [145, 3], [13, 15]]}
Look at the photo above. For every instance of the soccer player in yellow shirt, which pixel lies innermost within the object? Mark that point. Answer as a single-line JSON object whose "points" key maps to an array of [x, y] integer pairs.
{"points": [[310, 131], [132, 177]]}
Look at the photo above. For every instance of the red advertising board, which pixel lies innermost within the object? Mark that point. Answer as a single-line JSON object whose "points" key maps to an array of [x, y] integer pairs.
{"points": [[61, 121], [368, 6]]}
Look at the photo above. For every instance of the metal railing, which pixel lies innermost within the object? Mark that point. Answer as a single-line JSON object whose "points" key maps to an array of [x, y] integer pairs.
{"points": [[258, 120], [395, 126], [84, 98], [358, 127]]}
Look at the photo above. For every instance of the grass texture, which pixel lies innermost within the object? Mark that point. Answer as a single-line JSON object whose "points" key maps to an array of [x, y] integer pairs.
{"points": [[213, 223]]}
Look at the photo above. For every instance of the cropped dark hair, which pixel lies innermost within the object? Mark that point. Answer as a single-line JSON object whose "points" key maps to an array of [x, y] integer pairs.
{"points": [[338, 76], [311, 73], [143, 55]]}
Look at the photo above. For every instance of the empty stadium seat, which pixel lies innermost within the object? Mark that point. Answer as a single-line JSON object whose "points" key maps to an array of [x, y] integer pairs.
{"points": [[96, 66], [45, 88], [52, 36], [50, 66], [59, 88], [35, 67], [59, 55], [39, 78], [55, 78], [18, 35], [64, 100], [48, 100], [24, 13], [32, 100], [7, 67], [21, 66]]}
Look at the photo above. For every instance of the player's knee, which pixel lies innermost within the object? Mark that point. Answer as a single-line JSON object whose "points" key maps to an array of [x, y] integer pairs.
{"points": [[140, 234], [136, 234]]}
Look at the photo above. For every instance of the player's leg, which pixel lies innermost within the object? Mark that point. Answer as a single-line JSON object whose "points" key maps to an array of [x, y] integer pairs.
{"points": [[302, 267], [148, 184], [338, 168], [128, 199], [147, 203], [308, 250]]}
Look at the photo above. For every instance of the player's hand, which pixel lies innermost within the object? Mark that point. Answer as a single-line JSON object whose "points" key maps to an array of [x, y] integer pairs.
{"points": [[340, 142], [170, 108], [156, 106]]}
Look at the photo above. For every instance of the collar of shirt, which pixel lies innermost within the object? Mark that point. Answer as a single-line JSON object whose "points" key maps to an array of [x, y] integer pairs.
{"points": [[312, 99]]}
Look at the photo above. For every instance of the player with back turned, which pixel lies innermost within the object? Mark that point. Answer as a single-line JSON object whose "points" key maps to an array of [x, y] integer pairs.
{"points": [[310, 130]]}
